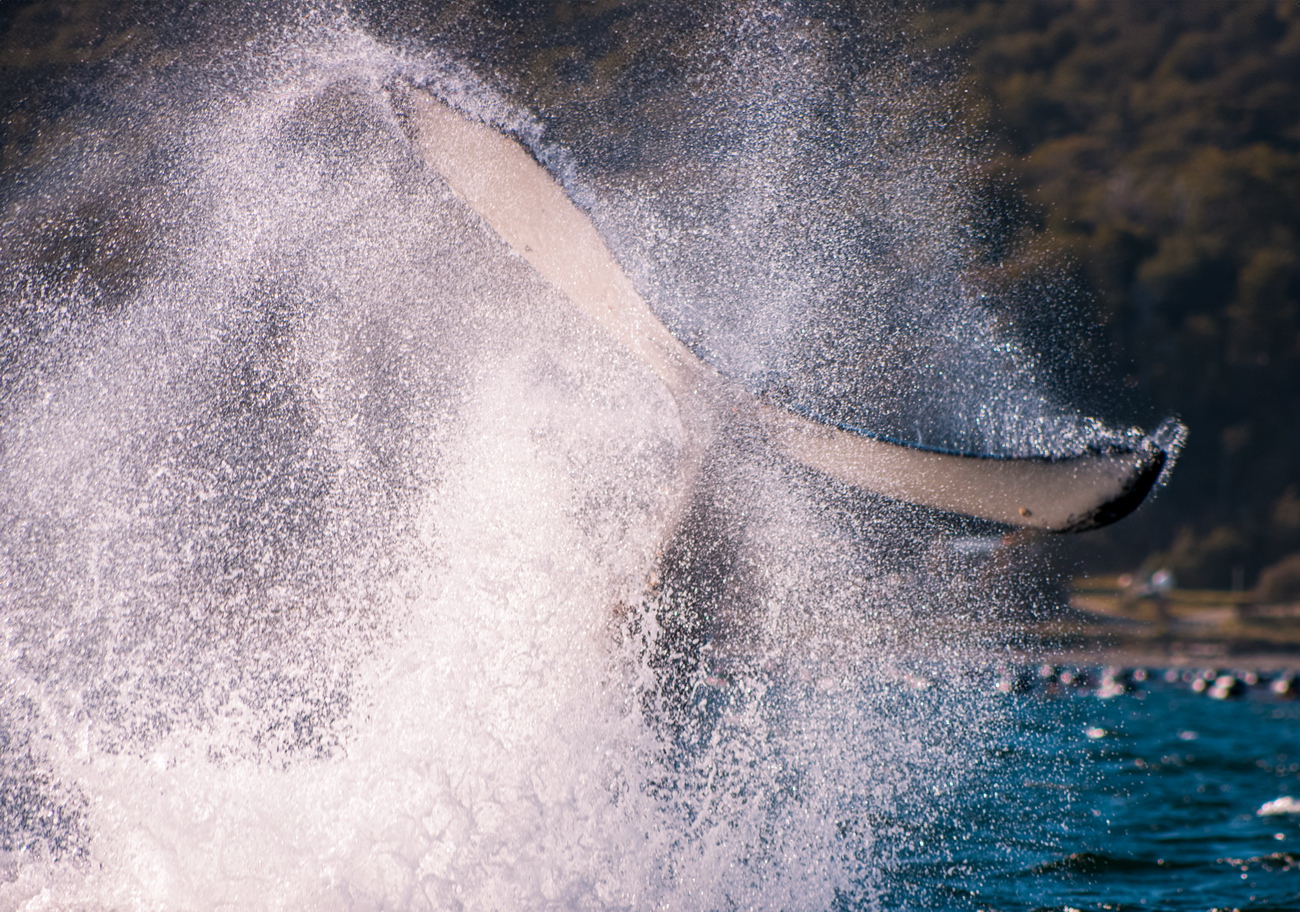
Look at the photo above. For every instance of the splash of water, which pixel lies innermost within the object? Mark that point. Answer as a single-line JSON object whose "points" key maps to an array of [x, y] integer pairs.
{"points": [[344, 563]]}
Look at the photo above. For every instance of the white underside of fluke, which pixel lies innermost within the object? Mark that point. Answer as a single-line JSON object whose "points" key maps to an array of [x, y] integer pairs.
{"points": [[532, 213]]}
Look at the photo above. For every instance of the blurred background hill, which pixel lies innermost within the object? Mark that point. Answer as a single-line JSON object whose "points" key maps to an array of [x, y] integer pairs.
{"points": [[1140, 172], [1151, 152]]}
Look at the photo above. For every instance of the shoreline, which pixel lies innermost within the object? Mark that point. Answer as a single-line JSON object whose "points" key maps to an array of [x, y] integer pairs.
{"points": [[1102, 655], [1109, 624]]}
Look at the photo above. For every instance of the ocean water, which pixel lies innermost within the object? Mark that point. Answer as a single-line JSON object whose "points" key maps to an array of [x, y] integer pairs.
{"points": [[1159, 798], [345, 565]]}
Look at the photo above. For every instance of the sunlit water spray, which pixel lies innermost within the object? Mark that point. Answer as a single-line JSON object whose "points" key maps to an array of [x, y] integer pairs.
{"points": [[346, 565]]}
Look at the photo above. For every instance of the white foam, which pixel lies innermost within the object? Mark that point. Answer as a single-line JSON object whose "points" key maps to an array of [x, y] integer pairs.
{"points": [[329, 562], [1278, 806]]}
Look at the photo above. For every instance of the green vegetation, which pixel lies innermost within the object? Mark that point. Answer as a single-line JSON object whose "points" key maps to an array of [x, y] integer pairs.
{"points": [[1154, 149]]}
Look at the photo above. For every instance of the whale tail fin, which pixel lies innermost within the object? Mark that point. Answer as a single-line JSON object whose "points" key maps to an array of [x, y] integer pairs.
{"points": [[532, 214]]}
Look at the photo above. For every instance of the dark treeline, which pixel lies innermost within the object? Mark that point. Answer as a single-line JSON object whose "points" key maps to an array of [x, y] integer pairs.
{"points": [[1152, 151], [1142, 174]]}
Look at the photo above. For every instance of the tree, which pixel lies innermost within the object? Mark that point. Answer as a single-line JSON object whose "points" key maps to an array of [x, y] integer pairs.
{"points": [[1156, 147]]}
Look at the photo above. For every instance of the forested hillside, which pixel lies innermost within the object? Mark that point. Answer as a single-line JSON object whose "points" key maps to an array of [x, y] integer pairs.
{"points": [[1142, 171], [1152, 149]]}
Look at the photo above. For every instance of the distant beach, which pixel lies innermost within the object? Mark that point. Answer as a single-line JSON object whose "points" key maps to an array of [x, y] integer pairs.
{"points": [[1110, 621]]}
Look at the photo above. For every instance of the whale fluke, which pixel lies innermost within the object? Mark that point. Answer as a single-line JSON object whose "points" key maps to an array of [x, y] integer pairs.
{"points": [[529, 210]]}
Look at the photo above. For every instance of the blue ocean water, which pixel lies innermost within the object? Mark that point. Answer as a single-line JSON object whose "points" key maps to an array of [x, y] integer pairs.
{"points": [[1118, 794]]}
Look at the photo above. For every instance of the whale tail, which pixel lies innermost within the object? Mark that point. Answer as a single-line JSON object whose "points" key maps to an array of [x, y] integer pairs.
{"points": [[533, 215]]}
